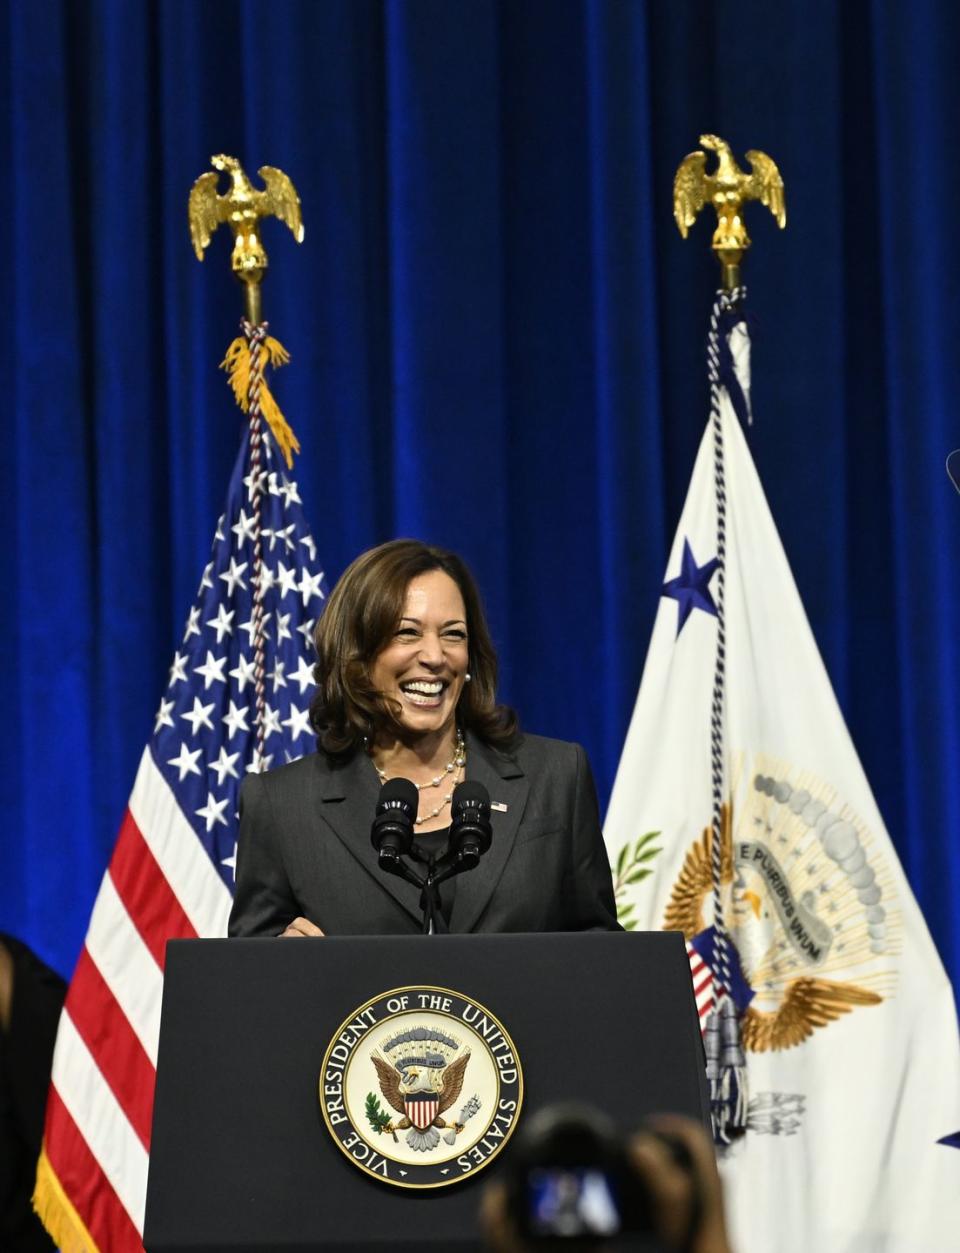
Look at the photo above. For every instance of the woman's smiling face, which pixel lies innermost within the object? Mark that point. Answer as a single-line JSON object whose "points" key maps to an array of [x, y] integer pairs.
{"points": [[423, 667]]}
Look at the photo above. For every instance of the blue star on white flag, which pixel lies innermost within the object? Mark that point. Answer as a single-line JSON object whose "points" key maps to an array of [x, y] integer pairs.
{"points": [[846, 1015]]}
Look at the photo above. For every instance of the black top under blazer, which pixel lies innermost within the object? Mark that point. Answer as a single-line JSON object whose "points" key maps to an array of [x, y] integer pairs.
{"points": [[304, 849]]}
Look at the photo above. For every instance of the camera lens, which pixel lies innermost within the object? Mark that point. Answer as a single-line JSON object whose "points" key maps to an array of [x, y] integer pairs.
{"points": [[570, 1181]]}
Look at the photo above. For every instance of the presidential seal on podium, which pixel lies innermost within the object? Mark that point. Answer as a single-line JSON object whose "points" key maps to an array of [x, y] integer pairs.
{"points": [[421, 1087]]}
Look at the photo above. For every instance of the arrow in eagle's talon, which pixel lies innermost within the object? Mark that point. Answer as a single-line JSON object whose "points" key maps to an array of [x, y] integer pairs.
{"points": [[466, 1113]]}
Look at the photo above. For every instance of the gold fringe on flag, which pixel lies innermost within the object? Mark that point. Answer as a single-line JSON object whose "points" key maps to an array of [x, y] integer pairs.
{"points": [[55, 1211], [238, 364]]}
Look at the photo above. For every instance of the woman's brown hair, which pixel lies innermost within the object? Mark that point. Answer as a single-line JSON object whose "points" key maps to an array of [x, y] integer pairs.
{"points": [[360, 618]]}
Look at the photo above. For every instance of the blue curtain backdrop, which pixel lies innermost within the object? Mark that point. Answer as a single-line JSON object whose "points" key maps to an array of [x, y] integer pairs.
{"points": [[498, 344]]}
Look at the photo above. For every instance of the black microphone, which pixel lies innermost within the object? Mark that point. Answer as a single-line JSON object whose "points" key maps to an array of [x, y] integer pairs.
{"points": [[470, 831], [392, 831]]}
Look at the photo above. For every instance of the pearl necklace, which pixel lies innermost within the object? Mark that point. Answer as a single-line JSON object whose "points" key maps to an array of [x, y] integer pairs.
{"points": [[446, 800], [454, 767]]}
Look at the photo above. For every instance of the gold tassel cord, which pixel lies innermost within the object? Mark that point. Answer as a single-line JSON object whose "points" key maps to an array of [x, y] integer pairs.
{"points": [[238, 364], [55, 1211]]}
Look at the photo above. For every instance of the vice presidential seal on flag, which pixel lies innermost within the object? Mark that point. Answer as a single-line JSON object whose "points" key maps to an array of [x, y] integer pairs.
{"points": [[840, 1015]]}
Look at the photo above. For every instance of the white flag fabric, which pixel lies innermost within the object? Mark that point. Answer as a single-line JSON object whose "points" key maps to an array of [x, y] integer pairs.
{"points": [[847, 1017]]}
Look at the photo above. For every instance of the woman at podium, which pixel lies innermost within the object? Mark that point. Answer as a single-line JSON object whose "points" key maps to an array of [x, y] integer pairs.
{"points": [[406, 688]]}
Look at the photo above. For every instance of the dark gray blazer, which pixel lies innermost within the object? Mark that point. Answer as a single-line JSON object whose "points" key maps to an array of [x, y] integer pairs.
{"points": [[305, 849]]}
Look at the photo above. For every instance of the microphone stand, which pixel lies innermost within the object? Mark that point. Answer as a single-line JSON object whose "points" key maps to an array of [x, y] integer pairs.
{"points": [[450, 864], [447, 866], [394, 862], [454, 861]]}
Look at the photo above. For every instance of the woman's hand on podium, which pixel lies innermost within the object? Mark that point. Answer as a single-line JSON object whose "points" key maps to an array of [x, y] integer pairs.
{"points": [[301, 926]]}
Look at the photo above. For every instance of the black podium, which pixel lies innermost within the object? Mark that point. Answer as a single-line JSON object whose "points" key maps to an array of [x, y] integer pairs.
{"points": [[241, 1158]]}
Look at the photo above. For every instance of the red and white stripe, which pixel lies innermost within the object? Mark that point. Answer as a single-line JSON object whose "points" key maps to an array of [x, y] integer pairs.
{"points": [[160, 885], [422, 1109], [702, 977]]}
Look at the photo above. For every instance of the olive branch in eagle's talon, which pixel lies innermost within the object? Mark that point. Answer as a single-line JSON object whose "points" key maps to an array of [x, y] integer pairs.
{"points": [[378, 1118], [631, 868]]}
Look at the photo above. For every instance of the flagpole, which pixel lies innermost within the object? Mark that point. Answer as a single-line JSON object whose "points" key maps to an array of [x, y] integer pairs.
{"points": [[170, 873], [842, 1007], [243, 207], [255, 331], [727, 189]]}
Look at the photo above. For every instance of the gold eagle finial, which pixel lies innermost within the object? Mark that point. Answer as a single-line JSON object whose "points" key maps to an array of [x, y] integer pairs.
{"points": [[242, 207], [727, 188]]}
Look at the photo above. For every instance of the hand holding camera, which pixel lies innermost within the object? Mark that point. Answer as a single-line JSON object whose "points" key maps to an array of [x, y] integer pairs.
{"points": [[574, 1184]]}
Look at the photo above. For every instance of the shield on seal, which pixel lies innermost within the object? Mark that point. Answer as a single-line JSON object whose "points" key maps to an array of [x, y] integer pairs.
{"points": [[421, 1108]]}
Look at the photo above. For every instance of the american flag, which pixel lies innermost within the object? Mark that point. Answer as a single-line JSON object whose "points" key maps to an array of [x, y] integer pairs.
{"points": [[172, 870], [702, 977]]}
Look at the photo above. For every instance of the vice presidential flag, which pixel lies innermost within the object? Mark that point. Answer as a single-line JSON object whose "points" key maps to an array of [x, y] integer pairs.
{"points": [[847, 1020], [172, 870]]}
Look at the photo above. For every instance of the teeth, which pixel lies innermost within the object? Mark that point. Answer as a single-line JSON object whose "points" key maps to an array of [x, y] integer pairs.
{"points": [[427, 688]]}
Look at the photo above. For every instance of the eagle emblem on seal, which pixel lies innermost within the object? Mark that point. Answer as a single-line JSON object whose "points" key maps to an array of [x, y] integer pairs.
{"points": [[807, 903], [421, 1072]]}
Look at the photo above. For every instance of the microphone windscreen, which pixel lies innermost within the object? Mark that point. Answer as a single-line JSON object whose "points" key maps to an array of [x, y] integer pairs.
{"points": [[398, 794], [469, 794]]}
